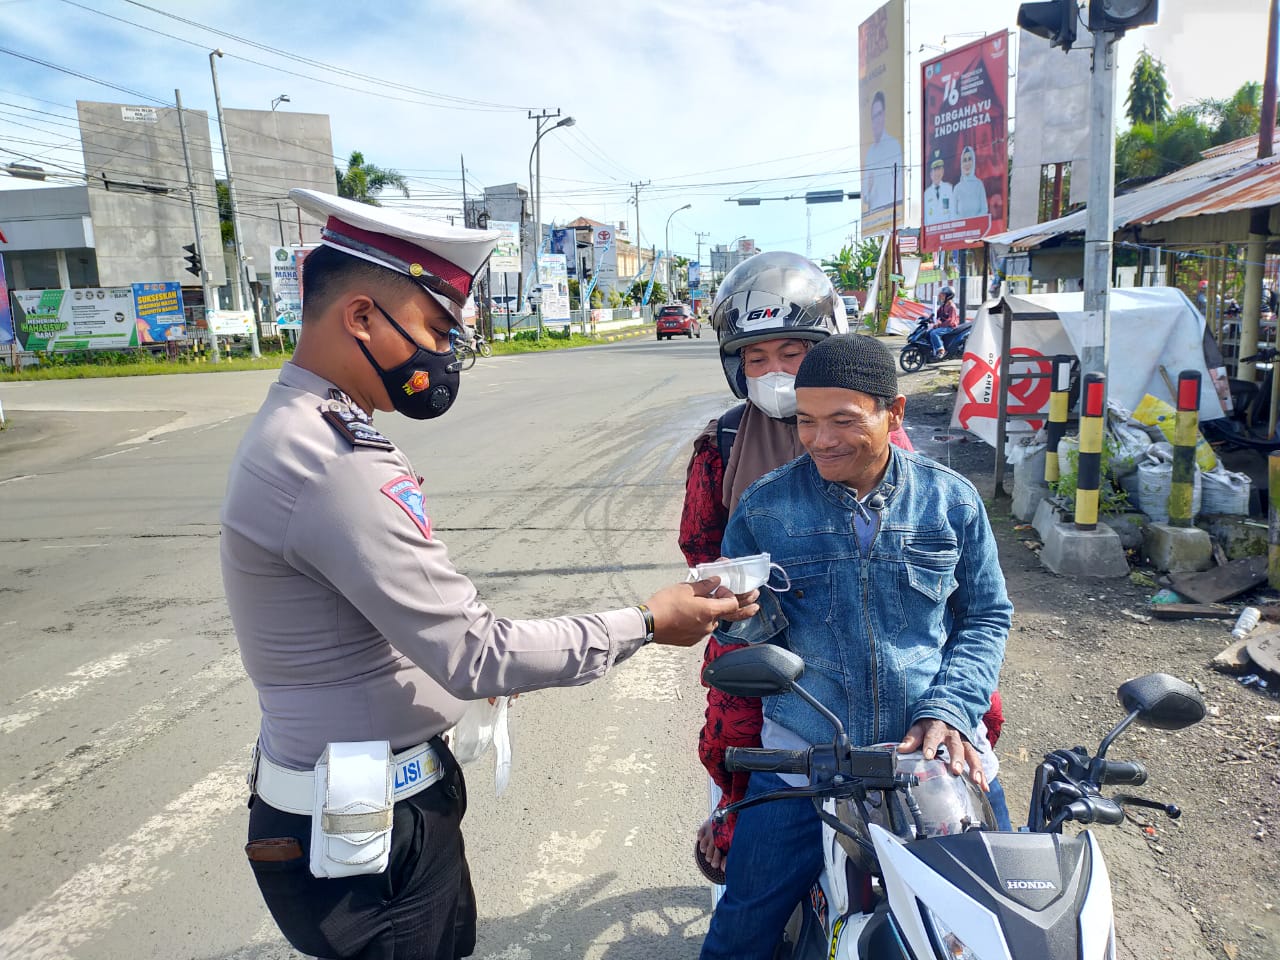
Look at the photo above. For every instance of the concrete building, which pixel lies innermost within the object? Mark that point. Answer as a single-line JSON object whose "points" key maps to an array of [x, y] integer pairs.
{"points": [[139, 208], [272, 152], [46, 238]]}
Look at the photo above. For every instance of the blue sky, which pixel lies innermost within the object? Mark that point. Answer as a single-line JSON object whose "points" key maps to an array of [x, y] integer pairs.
{"points": [[708, 99]]}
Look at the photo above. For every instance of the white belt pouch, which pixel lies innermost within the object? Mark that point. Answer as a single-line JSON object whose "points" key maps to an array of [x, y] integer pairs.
{"points": [[352, 810]]}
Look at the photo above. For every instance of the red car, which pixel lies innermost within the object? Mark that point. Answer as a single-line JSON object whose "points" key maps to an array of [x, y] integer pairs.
{"points": [[677, 319]]}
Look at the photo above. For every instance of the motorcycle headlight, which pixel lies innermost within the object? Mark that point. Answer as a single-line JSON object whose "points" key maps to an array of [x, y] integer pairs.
{"points": [[953, 948]]}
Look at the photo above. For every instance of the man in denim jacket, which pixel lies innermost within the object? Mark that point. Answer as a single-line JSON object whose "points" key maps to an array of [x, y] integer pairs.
{"points": [[897, 606]]}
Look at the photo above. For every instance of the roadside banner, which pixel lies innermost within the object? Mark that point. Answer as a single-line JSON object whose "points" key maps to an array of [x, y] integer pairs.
{"points": [[158, 307], [83, 319], [695, 275], [1154, 327], [904, 315], [506, 255], [553, 278], [6, 314], [966, 147], [231, 323], [606, 259], [881, 106], [648, 287], [286, 285]]}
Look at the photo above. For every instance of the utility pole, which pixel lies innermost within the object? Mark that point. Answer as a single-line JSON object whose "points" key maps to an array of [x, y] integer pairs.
{"points": [[214, 353], [636, 188], [699, 235], [1100, 224], [242, 265], [1259, 229]]}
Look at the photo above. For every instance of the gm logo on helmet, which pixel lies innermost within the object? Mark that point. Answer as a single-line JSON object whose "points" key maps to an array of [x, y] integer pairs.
{"points": [[1030, 885], [763, 313]]}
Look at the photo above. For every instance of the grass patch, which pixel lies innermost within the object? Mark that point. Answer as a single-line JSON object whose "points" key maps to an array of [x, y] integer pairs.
{"points": [[81, 366], [141, 368]]}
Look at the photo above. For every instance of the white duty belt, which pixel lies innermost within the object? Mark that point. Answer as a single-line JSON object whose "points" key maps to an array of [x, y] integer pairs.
{"points": [[293, 791]]}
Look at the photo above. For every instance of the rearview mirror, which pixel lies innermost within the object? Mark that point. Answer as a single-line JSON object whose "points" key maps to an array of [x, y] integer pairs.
{"points": [[763, 670], [1162, 701]]}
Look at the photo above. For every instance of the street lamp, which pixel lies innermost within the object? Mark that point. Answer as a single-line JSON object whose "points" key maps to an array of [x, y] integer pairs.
{"points": [[537, 187], [242, 265], [283, 98], [667, 241]]}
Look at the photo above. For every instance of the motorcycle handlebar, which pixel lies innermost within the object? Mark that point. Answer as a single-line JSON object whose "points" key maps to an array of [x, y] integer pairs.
{"points": [[762, 760], [1128, 772]]}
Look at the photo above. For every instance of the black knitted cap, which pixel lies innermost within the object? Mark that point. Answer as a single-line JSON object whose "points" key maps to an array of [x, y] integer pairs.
{"points": [[850, 361]]}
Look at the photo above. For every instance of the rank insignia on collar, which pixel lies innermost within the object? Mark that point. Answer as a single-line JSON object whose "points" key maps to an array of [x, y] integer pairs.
{"points": [[353, 425]]}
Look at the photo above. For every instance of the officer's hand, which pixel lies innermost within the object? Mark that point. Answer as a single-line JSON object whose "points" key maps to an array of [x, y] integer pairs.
{"points": [[685, 613], [928, 734]]}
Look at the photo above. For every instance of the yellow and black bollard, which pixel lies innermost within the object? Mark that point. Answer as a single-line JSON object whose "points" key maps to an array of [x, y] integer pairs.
{"points": [[1089, 473], [1185, 433], [1059, 405]]}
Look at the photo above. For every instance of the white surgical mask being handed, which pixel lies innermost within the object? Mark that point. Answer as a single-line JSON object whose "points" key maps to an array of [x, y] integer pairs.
{"points": [[774, 393]]}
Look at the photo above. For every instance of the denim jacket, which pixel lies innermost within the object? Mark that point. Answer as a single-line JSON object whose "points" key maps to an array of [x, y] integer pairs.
{"points": [[914, 629]]}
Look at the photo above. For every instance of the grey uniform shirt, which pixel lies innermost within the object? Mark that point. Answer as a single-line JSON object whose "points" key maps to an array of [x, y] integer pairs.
{"points": [[352, 622]]}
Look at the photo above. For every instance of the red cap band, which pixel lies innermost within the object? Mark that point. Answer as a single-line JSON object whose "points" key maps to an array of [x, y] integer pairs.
{"points": [[403, 252]]}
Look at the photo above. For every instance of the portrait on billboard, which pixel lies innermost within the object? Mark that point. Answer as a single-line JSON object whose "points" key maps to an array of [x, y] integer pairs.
{"points": [[881, 108]]}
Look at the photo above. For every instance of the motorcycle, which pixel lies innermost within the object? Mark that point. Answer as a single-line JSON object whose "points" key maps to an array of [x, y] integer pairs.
{"points": [[1246, 426], [919, 348], [894, 887]]}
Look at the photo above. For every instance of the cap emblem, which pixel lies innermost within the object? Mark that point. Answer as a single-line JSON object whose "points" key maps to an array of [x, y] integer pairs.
{"points": [[415, 269]]}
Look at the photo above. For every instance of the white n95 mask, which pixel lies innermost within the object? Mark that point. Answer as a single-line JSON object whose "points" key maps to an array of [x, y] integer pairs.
{"points": [[774, 393], [743, 574]]}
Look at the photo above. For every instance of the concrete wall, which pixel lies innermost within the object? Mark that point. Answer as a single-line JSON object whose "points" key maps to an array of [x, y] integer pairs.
{"points": [[138, 192], [1052, 100], [272, 152]]}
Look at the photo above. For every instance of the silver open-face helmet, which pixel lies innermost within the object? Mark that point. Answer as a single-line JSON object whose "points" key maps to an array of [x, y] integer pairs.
{"points": [[772, 296]]}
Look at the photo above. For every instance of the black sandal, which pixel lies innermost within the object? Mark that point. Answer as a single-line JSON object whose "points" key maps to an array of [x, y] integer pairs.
{"points": [[713, 874]]}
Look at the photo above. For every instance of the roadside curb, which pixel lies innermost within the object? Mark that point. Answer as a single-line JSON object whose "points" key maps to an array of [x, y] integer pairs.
{"points": [[630, 334]]}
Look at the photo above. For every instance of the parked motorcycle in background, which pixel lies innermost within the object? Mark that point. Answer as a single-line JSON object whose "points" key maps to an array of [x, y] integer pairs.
{"points": [[913, 870]]}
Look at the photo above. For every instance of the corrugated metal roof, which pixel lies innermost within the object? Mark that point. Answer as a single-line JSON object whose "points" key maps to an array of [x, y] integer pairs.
{"points": [[1229, 178]]}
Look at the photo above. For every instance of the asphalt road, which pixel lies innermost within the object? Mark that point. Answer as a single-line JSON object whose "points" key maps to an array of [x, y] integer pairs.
{"points": [[126, 719]]}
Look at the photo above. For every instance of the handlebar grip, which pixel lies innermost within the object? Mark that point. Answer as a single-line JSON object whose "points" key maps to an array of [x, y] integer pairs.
{"points": [[1128, 772], [762, 760]]}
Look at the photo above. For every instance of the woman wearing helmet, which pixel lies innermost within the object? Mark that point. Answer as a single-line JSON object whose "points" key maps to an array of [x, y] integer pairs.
{"points": [[768, 312]]}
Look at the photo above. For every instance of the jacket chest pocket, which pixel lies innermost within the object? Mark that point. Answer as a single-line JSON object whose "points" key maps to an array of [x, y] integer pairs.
{"points": [[931, 567], [810, 609]]}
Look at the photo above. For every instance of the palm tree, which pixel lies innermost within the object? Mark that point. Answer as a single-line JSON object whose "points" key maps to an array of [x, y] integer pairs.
{"points": [[1236, 117], [1146, 151], [363, 181]]}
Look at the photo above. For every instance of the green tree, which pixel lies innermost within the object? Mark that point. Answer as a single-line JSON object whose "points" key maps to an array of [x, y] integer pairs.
{"points": [[1240, 115], [848, 268], [1148, 100], [224, 214], [1146, 151], [636, 293], [363, 181]]}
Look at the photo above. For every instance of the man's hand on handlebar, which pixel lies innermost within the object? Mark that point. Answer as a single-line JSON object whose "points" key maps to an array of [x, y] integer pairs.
{"points": [[928, 734], [686, 613]]}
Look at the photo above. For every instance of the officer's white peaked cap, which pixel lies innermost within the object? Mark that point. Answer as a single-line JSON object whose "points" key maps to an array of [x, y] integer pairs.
{"points": [[443, 260]]}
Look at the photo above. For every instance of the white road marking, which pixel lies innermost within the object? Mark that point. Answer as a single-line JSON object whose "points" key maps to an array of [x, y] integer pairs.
{"points": [[120, 739], [116, 454], [25, 476], [92, 899], [80, 678], [71, 546]]}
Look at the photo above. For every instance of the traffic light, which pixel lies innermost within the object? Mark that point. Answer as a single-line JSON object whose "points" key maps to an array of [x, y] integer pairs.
{"points": [[1117, 16], [193, 260], [1055, 20]]}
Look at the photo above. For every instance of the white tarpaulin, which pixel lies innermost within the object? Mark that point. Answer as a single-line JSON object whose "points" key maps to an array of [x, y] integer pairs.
{"points": [[1151, 327]]}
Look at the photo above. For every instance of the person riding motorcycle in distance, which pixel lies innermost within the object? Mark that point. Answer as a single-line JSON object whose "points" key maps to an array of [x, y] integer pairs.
{"points": [[769, 311], [896, 603], [948, 318]]}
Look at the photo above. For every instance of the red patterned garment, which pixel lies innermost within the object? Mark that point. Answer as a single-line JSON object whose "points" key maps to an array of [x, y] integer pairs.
{"points": [[733, 721]]}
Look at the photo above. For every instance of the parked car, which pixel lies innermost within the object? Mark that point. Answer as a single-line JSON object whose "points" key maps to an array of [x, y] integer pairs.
{"points": [[851, 307], [677, 319]]}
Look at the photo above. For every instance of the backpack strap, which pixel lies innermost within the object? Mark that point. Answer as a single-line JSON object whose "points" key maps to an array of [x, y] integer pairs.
{"points": [[727, 430]]}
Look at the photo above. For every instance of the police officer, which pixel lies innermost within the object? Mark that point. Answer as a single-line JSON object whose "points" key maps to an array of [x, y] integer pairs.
{"points": [[361, 638]]}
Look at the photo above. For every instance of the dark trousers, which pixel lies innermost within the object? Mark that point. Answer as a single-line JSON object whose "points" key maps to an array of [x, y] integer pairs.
{"points": [[421, 907]]}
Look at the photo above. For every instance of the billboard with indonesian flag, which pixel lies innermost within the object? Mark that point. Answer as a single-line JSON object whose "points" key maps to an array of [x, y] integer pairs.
{"points": [[965, 115]]}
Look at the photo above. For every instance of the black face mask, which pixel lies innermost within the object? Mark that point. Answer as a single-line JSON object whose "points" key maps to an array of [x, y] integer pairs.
{"points": [[425, 385]]}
